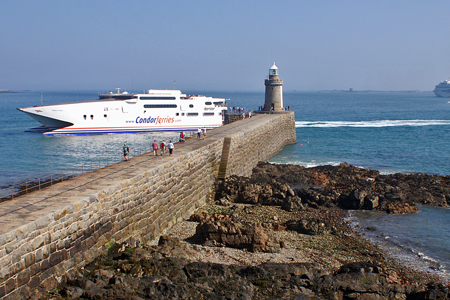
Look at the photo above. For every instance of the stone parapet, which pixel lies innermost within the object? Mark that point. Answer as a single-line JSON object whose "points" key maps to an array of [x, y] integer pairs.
{"points": [[136, 208]]}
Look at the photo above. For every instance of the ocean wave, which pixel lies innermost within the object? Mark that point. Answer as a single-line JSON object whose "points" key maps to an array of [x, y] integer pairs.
{"points": [[306, 164], [377, 123]]}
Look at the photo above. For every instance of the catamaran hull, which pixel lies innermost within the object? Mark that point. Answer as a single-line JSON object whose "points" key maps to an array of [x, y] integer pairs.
{"points": [[154, 111]]}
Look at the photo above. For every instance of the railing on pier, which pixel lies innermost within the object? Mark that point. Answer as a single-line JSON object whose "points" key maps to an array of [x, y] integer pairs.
{"points": [[36, 184]]}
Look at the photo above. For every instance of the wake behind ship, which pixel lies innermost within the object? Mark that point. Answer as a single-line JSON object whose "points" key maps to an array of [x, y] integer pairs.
{"points": [[155, 110]]}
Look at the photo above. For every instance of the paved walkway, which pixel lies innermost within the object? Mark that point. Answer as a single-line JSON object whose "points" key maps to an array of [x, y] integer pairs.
{"points": [[28, 208]]}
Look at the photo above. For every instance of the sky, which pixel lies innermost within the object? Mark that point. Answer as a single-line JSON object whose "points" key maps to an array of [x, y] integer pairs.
{"points": [[223, 45]]}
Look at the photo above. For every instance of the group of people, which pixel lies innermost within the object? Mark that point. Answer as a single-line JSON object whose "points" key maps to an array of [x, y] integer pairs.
{"points": [[249, 114], [163, 147], [236, 110], [200, 131], [155, 146]]}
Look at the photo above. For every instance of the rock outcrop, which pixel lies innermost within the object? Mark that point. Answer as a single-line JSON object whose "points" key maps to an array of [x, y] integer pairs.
{"points": [[307, 203], [344, 186], [150, 273]]}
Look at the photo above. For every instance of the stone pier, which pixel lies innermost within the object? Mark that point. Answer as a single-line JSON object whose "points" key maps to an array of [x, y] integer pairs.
{"points": [[47, 236]]}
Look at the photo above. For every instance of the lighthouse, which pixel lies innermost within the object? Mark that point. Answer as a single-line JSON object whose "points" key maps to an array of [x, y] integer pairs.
{"points": [[274, 91]]}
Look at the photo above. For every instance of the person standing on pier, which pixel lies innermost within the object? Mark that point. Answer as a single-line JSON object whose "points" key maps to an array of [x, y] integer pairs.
{"points": [[125, 150], [204, 132], [155, 148], [199, 132], [182, 137], [170, 146]]}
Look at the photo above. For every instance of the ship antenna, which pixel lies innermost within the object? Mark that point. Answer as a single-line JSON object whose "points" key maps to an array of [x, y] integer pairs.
{"points": [[42, 102], [174, 83]]}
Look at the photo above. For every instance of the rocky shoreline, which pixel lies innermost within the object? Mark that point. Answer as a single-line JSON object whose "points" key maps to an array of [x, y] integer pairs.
{"points": [[280, 234]]}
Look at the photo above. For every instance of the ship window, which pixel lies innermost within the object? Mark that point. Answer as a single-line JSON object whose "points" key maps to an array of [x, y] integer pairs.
{"points": [[208, 103], [192, 114], [157, 98], [160, 106], [84, 116], [182, 114], [105, 115], [191, 105], [92, 117], [177, 114], [208, 114]]}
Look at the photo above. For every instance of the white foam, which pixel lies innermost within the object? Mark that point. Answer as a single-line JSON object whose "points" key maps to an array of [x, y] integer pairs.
{"points": [[306, 164], [377, 123]]}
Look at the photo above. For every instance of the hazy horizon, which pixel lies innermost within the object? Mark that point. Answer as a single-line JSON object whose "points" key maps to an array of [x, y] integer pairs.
{"points": [[228, 46]]}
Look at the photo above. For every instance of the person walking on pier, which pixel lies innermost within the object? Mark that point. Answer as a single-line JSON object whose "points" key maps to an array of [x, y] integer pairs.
{"points": [[199, 132], [125, 150], [170, 146], [163, 147], [204, 132], [155, 148]]}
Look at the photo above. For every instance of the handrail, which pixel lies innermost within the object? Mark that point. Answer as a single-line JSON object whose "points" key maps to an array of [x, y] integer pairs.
{"points": [[23, 188]]}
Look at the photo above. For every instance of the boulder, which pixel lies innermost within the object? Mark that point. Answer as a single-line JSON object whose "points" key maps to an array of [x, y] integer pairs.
{"points": [[398, 208], [293, 203], [310, 227], [233, 234]]}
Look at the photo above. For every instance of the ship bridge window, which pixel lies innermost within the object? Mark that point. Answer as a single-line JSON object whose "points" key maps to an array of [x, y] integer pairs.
{"points": [[157, 98], [92, 117], [160, 106], [208, 114], [84, 116], [208, 103], [192, 114], [191, 105]]}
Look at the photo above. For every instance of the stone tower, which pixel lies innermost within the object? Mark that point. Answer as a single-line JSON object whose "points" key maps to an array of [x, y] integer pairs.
{"points": [[274, 90]]}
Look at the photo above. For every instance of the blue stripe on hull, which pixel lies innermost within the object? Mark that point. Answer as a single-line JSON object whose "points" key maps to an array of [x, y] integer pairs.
{"points": [[91, 132]]}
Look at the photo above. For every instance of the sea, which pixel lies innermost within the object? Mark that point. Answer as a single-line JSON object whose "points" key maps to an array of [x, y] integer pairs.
{"points": [[406, 132]]}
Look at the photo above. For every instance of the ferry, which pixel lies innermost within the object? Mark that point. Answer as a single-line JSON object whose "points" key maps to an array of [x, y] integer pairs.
{"points": [[154, 110], [442, 89]]}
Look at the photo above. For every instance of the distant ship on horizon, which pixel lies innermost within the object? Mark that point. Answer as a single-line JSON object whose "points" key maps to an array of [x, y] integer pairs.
{"points": [[443, 89]]}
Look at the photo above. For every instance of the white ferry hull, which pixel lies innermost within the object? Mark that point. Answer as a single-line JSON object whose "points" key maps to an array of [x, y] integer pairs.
{"points": [[156, 111]]}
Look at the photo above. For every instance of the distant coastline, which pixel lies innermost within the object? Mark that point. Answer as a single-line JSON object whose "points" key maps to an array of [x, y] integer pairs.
{"points": [[7, 91], [372, 91]]}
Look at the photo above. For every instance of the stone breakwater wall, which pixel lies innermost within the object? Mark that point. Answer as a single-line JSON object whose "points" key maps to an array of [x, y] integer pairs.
{"points": [[252, 145], [38, 256]]}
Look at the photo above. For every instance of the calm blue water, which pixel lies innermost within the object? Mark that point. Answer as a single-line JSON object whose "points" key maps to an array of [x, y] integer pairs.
{"points": [[389, 132]]}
